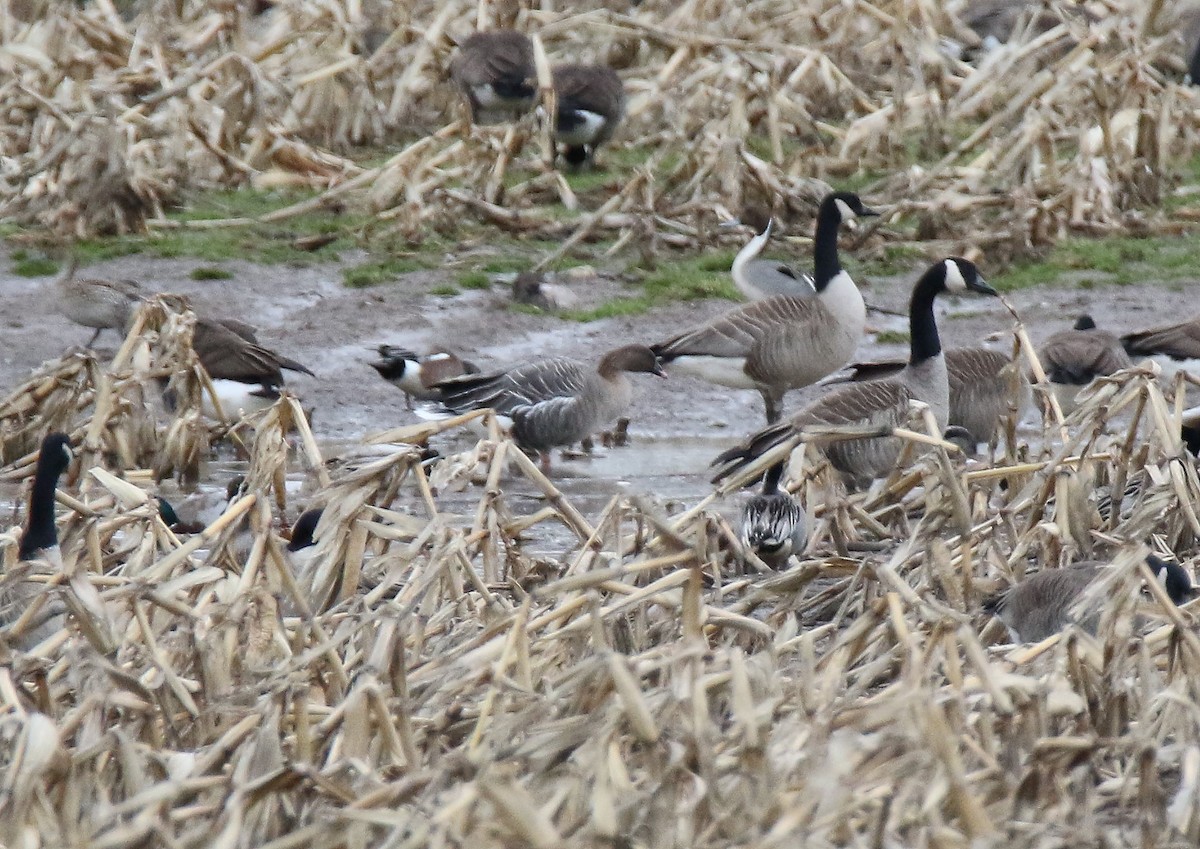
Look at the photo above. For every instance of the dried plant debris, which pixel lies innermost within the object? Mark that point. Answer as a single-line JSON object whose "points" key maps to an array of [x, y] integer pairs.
{"points": [[418, 677], [1061, 117]]}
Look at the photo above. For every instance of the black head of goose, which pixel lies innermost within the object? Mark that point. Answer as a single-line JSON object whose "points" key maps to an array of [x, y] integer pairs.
{"points": [[39, 542], [1041, 604], [774, 525], [880, 403], [759, 278], [246, 375], [495, 73], [555, 401], [1074, 358], [783, 342], [591, 104], [415, 374]]}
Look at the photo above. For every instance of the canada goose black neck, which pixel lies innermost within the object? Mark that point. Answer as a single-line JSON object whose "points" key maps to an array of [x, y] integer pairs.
{"points": [[826, 264], [924, 342], [771, 479], [304, 530], [1085, 322], [53, 460]]}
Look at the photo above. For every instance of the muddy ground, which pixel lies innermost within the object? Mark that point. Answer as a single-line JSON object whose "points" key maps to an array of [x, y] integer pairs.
{"points": [[678, 424]]}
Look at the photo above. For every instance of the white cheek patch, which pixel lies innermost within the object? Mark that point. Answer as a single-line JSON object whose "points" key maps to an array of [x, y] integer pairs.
{"points": [[844, 209], [954, 278]]}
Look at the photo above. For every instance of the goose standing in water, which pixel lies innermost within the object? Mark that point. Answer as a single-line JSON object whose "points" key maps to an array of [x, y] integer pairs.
{"points": [[758, 279], [494, 71], [783, 342], [555, 401], [774, 525], [38, 549], [883, 403], [1041, 604], [591, 104], [1074, 358]]}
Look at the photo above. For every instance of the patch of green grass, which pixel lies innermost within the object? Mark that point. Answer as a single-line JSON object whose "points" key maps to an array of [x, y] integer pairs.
{"points": [[1116, 260], [892, 337], [690, 279], [475, 280], [34, 266], [505, 265], [374, 272], [210, 272], [445, 290]]}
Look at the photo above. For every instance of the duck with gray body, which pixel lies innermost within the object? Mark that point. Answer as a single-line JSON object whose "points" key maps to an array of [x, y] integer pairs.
{"points": [[774, 525], [884, 404], [415, 374], [758, 279], [1041, 604], [555, 401], [38, 552], [783, 342], [1074, 358], [591, 104], [494, 71], [99, 304]]}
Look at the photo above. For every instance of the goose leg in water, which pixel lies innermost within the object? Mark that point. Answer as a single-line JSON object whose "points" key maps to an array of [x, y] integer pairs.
{"points": [[772, 402]]}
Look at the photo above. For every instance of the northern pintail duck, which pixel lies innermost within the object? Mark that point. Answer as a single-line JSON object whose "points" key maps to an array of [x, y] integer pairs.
{"points": [[774, 525], [414, 374], [758, 278]]}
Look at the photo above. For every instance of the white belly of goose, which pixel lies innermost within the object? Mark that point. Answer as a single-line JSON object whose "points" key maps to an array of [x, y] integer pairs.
{"points": [[585, 131], [236, 399], [723, 371]]}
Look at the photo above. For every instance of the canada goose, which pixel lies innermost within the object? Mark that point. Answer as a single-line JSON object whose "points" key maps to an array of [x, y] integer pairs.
{"points": [[774, 525], [38, 548], [758, 279], [985, 386], [302, 543], [495, 73], [555, 401], [246, 375], [1174, 347], [783, 342], [1041, 604], [414, 374], [883, 403], [99, 304], [530, 287], [1073, 358], [591, 104]]}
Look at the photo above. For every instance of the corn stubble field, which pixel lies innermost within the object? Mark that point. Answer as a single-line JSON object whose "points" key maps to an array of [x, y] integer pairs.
{"points": [[433, 684]]}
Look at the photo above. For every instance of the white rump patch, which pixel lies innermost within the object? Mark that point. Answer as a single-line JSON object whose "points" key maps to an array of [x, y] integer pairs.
{"points": [[723, 371], [586, 132], [954, 278], [844, 209]]}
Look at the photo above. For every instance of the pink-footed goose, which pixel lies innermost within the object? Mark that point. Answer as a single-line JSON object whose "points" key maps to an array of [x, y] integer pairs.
{"points": [[555, 401]]}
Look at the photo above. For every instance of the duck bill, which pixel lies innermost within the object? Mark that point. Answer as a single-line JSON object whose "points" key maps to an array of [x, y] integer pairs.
{"points": [[659, 370]]}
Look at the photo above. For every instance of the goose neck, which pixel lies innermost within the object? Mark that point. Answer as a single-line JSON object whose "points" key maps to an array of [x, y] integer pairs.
{"points": [[40, 532], [924, 341], [826, 265]]}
